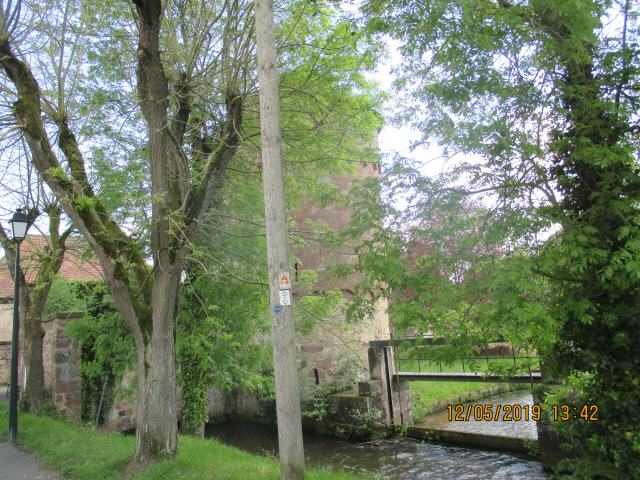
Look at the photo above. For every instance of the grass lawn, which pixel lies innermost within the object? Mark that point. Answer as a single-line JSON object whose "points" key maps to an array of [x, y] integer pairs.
{"points": [[429, 397], [412, 364], [79, 453]]}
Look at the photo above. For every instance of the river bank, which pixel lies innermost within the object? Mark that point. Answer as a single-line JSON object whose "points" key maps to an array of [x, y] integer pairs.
{"points": [[82, 454]]}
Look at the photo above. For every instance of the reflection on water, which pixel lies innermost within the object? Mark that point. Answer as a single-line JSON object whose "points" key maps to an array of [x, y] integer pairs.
{"points": [[388, 459], [520, 429]]}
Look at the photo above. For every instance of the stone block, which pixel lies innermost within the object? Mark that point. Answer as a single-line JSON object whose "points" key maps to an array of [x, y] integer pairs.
{"points": [[59, 357], [324, 364], [370, 388], [406, 408], [63, 342], [217, 404], [348, 404], [73, 371], [72, 396], [405, 385], [64, 387], [375, 363]]}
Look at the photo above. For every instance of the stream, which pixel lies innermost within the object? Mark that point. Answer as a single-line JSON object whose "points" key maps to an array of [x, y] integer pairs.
{"points": [[519, 429], [395, 459]]}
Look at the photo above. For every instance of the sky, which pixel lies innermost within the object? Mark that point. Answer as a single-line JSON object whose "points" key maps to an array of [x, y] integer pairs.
{"points": [[397, 140]]}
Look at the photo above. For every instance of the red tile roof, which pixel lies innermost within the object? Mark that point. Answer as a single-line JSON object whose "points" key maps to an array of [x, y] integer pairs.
{"points": [[78, 264]]}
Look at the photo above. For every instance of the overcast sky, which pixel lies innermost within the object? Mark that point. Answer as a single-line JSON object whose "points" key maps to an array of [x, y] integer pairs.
{"points": [[397, 140]]}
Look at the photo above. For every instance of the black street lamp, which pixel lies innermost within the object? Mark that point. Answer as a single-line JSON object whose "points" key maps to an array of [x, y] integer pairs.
{"points": [[19, 224]]}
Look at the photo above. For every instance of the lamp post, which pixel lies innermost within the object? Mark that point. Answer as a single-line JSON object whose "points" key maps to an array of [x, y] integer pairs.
{"points": [[19, 224]]}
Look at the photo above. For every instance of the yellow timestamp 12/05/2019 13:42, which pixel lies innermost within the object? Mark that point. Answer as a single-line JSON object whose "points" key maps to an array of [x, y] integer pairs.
{"points": [[517, 412]]}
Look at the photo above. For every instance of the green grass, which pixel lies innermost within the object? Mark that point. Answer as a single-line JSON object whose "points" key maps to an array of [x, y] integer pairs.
{"points": [[479, 365], [429, 397], [79, 453]]}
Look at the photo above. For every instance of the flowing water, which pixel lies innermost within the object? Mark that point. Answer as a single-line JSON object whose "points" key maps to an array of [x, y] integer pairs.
{"points": [[519, 429], [392, 459]]}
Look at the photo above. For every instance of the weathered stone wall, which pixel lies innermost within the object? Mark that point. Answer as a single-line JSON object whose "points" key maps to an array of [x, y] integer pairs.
{"points": [[312, 216], [238, 404], [6, 321], [334, 344], [122, 416], [5, 362], [61, 358]]}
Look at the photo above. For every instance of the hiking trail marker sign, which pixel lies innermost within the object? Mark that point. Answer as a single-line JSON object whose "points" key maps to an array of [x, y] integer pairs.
{"points": [[285, 288], [285, 281], [285, 297]]}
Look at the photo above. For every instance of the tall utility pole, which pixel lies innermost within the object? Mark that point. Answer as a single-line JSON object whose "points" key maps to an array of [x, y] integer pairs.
{"points": [[291, 452]]}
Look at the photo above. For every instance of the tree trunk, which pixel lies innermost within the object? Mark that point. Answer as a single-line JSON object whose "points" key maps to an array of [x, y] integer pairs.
{"points": [[33, 393], [146, 304], [157, 416]]}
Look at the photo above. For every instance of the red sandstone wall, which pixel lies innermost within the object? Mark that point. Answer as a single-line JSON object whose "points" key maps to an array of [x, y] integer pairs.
{"points": [[331, 218], [333, 343]]}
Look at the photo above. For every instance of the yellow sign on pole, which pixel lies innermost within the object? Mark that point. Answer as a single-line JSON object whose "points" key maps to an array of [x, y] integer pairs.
{"points": [[285, 281]]}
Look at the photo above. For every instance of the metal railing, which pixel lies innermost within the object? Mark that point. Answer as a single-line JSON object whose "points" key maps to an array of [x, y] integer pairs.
{"points": [[530, 363]]}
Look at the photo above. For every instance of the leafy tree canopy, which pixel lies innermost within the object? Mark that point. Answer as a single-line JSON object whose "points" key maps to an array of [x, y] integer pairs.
{"points": [[544, 95]]}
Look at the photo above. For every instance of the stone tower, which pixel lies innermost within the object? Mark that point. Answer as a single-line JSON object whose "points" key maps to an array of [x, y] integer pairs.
{"points": [[333, 343]]}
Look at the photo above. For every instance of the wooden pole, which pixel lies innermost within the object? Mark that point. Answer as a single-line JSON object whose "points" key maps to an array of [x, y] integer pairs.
{"points": [[291, 451]]}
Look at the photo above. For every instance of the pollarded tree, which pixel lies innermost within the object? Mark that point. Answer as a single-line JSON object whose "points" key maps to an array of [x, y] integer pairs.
{"points": [[184, 179], [22, 187], [194, 80], [33, 297]]}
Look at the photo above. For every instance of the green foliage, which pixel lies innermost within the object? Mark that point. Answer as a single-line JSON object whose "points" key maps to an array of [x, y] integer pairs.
{"points": [[329, 109], [450, 267], [58, 173], [107, 349], [317, 402], [207, 54], [544, 93], [217, 343], [312, 310], [402, 430], [63, 298], [318, 405], [371, 419]]}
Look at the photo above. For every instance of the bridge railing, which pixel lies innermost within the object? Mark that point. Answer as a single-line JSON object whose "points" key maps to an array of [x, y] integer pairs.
{"points": [[417, 363], [426, 355], [390, 359]]}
